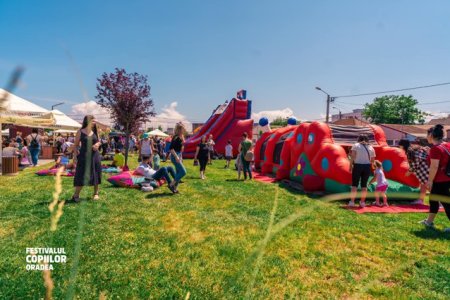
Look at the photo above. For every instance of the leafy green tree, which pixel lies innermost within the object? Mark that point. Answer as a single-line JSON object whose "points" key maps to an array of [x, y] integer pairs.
{"points": [[279, 121], [394, 109]]}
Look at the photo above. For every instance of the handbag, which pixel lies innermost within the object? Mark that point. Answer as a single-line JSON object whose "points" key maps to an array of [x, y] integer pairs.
{"points": [[249, 156], [195, 162]]}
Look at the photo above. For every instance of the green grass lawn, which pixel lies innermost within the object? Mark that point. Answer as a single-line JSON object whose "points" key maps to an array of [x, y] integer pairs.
{"points": [[218, 238]]}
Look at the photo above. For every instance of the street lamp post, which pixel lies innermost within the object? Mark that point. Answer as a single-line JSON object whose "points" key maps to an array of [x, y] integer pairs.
{"points": [[57, 104], [340, 113], [329, 100]]}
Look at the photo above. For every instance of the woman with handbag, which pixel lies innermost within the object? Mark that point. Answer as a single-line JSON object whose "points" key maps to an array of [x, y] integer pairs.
{"points": [[246, 155], [362, 158], [202, 156]]}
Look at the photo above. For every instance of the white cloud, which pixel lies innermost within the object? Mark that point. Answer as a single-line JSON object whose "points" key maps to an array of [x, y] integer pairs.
{"points": [[169, 117], [273, 114], [90, 108]]}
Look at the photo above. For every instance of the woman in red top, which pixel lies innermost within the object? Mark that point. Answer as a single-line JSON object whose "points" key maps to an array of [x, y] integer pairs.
{"points": [[438, 181]]}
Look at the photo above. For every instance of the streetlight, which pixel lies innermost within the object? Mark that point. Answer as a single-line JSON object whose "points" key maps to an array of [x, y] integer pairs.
{"points": [[57, 104], [329, 100], [340, 114]]}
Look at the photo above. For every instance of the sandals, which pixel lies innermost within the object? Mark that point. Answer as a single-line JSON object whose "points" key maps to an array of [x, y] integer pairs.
{"points": [[96, 197], [75, 199]]}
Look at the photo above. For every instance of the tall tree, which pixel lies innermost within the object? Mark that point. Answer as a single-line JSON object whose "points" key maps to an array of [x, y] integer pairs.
{"points": [[394, 109], [127, 97]]}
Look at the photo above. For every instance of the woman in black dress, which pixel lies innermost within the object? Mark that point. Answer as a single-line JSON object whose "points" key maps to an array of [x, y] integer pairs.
{"points": [[87, 158], [202, 154]]}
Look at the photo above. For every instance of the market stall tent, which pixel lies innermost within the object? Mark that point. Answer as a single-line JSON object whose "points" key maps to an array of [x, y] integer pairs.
{"points": [[18, 111], [157, 132], [63, 122]]}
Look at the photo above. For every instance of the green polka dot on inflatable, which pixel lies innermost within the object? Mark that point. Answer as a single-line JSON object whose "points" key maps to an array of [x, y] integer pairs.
{"points": [[387, 165]]}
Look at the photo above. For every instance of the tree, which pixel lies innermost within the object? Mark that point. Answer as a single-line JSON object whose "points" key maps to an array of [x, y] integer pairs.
{"points": [[127, 97], [394, 109], [279, 121], [160, 127]]}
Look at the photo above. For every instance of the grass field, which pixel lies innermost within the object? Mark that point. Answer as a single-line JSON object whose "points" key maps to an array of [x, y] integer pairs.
{"points": [[218, 239]]}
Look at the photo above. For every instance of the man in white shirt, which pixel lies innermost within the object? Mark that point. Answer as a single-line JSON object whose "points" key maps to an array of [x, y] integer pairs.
{"points": [[147, 171], [362, 158]]}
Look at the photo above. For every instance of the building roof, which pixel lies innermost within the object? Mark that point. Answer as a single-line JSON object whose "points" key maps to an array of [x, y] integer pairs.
{"points": [[415, 130], [442, 121]]}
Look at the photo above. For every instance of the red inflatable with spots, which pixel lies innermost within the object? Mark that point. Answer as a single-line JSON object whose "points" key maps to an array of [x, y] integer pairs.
{"points": [[317, 154]]}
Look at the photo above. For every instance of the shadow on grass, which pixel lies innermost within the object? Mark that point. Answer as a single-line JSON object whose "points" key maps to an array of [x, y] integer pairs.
{"points": [[234, 179], [159, 195], [432, 234]]}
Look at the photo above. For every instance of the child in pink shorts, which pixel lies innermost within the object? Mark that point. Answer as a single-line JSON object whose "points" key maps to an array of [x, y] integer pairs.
{"points": [[382, 184]]}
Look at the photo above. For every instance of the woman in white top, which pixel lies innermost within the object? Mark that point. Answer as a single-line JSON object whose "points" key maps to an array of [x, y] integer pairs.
{"points": [[362, 158], [146, 147], [34, 145]]}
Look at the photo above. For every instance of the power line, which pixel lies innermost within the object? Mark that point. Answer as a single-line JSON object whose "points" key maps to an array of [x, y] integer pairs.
{"points": [[424, 103], [393, 91]]}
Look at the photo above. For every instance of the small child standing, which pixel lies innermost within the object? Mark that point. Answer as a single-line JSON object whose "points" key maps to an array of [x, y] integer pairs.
{"points": [[239, 166], [228, 154], [382, 184]]}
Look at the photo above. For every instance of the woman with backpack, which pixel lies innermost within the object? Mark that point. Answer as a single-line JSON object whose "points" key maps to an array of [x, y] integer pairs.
{"points": [[246, 159], [34, 142], [439, 176]]}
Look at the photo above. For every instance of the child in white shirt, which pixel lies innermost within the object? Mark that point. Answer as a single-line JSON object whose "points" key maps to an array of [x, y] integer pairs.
{"points": [[382, 184], [228, 154]]}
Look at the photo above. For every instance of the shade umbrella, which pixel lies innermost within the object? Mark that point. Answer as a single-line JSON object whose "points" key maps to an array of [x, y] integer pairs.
{"points": [[157, 132]]}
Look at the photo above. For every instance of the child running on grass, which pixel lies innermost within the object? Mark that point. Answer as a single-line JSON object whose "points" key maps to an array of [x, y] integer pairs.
{"points": [[382, 184], [228, 153]]}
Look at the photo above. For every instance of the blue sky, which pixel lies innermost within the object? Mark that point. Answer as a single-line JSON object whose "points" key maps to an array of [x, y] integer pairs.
{"points": [[199, 53]]}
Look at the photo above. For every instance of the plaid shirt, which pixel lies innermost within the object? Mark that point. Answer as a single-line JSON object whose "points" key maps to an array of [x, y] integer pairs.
{"points": [[419, 165]]}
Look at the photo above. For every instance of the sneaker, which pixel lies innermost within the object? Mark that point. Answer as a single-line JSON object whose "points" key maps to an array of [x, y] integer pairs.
{"points": [[351, 203], [172, 188], [418, 201], [362, 204], [426, 223]]}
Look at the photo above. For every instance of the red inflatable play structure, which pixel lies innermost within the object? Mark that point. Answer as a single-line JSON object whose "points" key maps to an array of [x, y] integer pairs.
{"points": [[228, 122], [316, 154]]}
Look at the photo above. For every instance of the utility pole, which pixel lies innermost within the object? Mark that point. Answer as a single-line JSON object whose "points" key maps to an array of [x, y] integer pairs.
{"points": [[329, 100]]}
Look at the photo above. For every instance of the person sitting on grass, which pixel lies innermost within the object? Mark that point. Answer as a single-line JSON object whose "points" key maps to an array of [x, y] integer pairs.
{"points": [[119, 159], [382, 184], [146, 170]]}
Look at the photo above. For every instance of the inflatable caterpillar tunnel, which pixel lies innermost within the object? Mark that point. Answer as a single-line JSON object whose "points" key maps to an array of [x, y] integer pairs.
{"points": [[317, 155]]}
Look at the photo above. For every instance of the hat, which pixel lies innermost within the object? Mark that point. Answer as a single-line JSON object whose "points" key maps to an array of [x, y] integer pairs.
{"points": [[145, 135]]}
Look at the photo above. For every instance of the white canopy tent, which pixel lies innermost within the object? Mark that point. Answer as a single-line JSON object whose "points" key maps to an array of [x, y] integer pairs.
{"points": [[157, 132], [18, 111], [63, 122]]}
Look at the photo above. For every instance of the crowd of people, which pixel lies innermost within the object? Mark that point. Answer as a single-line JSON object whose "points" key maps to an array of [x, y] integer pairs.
{"points": [[429, 161]]}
